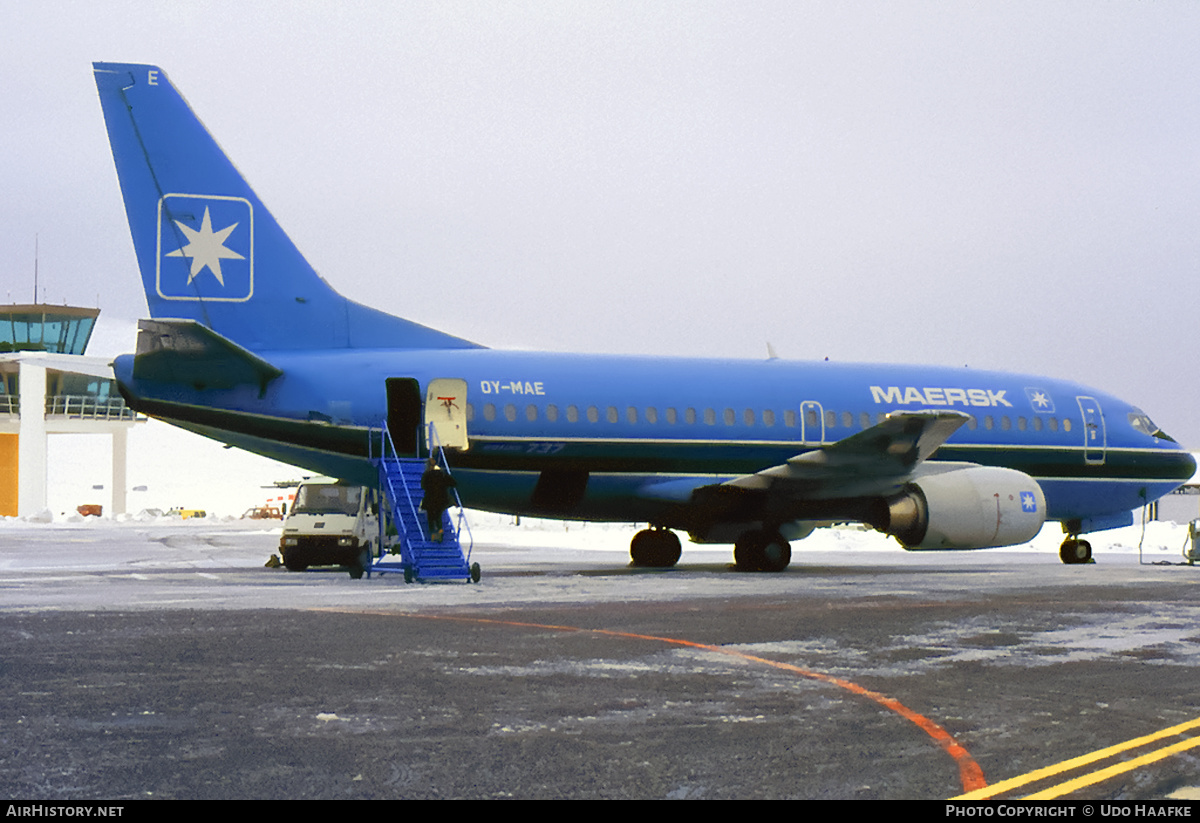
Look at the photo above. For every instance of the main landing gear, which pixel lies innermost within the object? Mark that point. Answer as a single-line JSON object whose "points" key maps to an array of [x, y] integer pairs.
{"points": [[762, 550], [758, 550], [655, 549], [1073, 550]]}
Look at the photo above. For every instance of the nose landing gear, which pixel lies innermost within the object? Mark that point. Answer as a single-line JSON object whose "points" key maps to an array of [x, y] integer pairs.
{"points": [[1073, 550]]}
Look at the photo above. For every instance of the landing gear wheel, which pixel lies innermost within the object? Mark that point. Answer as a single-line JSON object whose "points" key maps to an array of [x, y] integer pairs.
{"points": [[655, 549], [1074, 550], [476, 572], [762, 550]]}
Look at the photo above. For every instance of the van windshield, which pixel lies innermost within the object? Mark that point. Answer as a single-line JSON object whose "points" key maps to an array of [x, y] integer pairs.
{"points": [[327, 498]]}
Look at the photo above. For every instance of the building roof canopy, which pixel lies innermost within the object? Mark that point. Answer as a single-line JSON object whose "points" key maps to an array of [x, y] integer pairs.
{"points": [[45, 328]]}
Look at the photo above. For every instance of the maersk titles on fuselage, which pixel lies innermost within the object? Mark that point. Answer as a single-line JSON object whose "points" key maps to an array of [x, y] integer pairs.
{"points": [[251, 347]]}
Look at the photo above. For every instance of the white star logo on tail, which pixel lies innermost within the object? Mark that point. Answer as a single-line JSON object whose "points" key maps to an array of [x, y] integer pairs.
{"points": [[206, 248]]}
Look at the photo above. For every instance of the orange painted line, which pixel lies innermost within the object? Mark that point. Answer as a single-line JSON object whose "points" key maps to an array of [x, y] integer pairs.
{"points": [[969, 772]]}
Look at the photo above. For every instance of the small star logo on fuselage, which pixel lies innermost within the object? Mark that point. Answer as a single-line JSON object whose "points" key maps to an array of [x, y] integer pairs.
{"points": [[1040, 400]]}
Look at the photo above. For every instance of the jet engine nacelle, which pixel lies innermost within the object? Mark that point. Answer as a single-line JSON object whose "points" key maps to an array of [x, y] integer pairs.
{"points": [[975, 507]]}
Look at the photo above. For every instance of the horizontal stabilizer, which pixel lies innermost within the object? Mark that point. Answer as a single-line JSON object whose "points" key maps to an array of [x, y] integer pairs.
{"points": [[184, 351]]}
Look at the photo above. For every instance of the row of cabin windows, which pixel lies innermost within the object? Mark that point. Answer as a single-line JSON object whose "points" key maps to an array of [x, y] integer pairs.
{"points": [[749, 417], [611, 414], [1036, 423]]}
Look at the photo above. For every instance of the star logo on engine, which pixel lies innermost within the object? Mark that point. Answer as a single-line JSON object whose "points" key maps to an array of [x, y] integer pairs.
{"points": [[1028, 502]]}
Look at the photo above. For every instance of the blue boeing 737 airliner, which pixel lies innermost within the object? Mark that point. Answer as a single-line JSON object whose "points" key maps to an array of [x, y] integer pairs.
{"points": [[248, 345]]}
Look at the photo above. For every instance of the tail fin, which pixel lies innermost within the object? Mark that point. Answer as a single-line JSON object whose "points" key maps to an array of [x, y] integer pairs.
{"points": [[208, 249]]}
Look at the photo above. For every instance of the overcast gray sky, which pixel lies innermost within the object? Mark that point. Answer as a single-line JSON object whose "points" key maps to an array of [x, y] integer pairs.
{"points": [[1006, 185]]}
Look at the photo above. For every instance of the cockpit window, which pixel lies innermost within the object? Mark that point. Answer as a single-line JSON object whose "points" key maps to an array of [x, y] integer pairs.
{"points": [[1142, 422]]}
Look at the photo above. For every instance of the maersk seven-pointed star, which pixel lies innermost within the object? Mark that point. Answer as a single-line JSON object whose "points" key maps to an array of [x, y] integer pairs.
{"points": [[206, 248]]}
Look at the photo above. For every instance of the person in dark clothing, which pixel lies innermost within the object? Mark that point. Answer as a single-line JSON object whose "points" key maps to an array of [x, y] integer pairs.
{"points": [[436, 485]]}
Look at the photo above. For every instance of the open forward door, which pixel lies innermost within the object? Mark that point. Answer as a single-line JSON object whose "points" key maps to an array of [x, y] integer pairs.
{"points": [[446, 411]]}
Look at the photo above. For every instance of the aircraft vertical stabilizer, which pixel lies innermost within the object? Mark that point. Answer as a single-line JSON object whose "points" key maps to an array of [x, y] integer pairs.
{"points": [[208, 249]]}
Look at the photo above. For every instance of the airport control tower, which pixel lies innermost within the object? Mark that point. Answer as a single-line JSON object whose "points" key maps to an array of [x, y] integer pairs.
{"points": [[49, 386]]}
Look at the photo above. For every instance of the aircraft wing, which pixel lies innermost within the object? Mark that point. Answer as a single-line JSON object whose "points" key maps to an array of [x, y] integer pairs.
{"points": [[184, 351], [874, 461]]}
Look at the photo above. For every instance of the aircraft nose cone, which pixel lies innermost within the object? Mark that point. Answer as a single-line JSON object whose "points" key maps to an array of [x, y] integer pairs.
{"points": [[1189, 462]]}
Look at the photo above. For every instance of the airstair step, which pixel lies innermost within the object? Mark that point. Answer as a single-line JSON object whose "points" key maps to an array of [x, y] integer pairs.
{"points": [[420, 558]]}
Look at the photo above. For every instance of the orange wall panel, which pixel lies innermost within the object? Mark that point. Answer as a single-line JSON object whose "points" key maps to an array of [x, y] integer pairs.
{"points": [[8, 475]]}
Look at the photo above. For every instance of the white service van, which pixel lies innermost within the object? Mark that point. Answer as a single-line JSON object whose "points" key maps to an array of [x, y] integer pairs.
{"points": [[332, 523]]}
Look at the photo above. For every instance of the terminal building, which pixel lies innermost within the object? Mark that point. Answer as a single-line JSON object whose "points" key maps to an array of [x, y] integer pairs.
{"points": [[48, 385]]}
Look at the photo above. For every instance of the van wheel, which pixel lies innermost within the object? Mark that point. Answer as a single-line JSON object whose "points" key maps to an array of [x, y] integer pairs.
{"points": [[362, 563]]}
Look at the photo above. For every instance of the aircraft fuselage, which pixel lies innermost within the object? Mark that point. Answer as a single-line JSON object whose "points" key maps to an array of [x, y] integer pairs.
{"points": [[631, 423]]}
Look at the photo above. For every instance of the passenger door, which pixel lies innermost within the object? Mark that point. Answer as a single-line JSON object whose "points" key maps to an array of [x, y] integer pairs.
{"points": [[1095, 437], [812, 422], [446, 412]]}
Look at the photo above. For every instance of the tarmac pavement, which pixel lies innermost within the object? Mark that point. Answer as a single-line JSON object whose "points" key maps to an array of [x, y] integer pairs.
{"points": [[163, 661]]}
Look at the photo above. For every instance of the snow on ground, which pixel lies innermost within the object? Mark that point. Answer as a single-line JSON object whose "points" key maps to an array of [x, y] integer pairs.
{"points": [[153, 562], [1156, 540]]}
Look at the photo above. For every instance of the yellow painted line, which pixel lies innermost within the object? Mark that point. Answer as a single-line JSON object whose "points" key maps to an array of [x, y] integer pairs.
{"points": [[1078, 762], [1112, 771]]}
